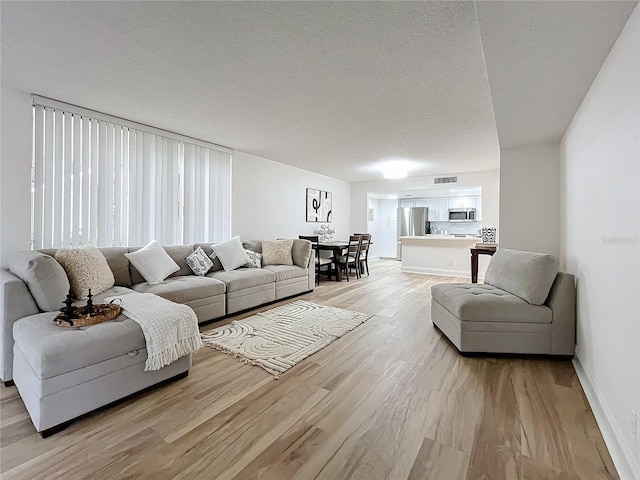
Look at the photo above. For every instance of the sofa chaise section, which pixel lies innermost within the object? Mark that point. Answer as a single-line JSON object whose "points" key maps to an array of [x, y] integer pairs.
{"points": [[63, 373]]}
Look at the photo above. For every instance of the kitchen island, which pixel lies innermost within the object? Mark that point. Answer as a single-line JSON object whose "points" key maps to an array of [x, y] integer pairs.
{"points": [[448, 255]]}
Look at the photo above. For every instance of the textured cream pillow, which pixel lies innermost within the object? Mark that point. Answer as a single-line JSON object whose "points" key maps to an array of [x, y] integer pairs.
{"points": [[277, 252], [86, 269]]}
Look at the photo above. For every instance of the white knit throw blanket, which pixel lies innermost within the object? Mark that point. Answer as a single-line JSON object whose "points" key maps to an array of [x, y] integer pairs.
{"points": [[170, 329]]}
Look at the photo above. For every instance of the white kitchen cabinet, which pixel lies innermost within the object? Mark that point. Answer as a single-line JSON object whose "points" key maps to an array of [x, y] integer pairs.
{"points": [[431, 205], [462, 202], [455, 202], [438, 209], [413, 202], [439, 206], [443, 209]]}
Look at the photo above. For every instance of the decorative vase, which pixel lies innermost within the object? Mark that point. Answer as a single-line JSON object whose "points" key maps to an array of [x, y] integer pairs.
{"points": [[488, 234]]}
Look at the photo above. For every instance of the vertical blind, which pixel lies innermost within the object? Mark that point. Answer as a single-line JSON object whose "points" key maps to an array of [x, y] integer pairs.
{"points": [[108, 183]]}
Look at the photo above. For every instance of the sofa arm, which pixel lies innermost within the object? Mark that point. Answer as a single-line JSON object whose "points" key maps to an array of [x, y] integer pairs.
{"points": [[17, 302], [302, 253], [304, 257], [562, 301]]}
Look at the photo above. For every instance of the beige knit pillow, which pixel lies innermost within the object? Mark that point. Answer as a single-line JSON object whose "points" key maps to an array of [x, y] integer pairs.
{"points": [[277, 252], [86, 269]]}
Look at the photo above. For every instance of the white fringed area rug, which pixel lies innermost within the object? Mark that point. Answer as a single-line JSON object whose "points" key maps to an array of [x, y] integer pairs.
{"points": [[278, 339]]}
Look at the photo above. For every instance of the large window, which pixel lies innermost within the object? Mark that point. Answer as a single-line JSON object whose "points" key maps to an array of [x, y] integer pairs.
{"points": [[105, 181]]}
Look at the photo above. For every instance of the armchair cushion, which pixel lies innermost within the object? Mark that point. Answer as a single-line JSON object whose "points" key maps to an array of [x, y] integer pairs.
{"points": [[485, 303], [527, 275]]}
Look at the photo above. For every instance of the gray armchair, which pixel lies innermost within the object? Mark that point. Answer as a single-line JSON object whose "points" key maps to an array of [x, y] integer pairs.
{"points": [[525, 306]]}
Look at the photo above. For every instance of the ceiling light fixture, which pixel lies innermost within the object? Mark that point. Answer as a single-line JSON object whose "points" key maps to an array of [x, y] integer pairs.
{"points": [[394, 169]]}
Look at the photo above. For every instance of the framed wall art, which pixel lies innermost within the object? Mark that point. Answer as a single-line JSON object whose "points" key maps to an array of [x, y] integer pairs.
{"points": [[319, 206]]}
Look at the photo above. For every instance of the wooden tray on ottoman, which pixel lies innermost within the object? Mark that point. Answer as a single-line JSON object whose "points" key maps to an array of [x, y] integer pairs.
{"points": [[102, 312]]}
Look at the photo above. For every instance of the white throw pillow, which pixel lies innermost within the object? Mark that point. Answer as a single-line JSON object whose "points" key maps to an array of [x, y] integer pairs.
{"points": [[199, 262], [153, 263], [277, 252], [230, 253]]}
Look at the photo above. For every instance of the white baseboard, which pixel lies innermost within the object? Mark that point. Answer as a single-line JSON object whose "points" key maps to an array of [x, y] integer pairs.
{"points": [[620, 451]]}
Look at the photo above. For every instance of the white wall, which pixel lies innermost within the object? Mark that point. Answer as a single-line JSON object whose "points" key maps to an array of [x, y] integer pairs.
{"points": [[601, 196], [529, 199], [269, 199], [15, 172], [488, 180]]}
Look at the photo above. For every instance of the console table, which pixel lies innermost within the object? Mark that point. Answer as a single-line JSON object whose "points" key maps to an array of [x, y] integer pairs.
{"points": [[479, 250]]}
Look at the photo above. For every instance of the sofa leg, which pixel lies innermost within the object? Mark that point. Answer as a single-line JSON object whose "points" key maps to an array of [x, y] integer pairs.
{"points": [[9, 383], [53, 430]]}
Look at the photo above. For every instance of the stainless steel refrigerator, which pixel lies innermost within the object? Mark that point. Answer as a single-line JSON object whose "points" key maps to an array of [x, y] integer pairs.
{"points": [[412, 222]]}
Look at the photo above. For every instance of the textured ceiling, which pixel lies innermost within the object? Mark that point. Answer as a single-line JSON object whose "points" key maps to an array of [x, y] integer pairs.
{"points": [[331, 87], [541, 59]]}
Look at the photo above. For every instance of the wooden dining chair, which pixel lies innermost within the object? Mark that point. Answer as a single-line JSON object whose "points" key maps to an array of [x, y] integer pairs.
{"points": [[320, 262], [349, 260], [364, 252]]}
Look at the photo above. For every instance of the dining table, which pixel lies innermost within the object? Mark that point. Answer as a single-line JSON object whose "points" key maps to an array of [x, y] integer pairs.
{"points": [[337, 247]]}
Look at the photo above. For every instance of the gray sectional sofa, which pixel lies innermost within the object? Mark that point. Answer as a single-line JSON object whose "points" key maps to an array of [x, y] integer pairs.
{"points": [[62, 373]]}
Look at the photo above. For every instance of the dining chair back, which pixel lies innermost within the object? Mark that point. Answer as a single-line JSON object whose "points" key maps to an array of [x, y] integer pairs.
{"points": [[364, 251], [349, 260], [319, 260]]}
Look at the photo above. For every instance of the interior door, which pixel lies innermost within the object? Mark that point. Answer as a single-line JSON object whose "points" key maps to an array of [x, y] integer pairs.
{"points": [[388, 228]]}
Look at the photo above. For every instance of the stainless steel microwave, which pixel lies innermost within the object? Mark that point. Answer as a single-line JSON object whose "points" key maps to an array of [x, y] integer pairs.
{"points": [[462, 214]]}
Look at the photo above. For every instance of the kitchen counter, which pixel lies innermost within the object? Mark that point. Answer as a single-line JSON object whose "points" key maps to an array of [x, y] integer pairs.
{"points": [[444, 237], [446, 255]]}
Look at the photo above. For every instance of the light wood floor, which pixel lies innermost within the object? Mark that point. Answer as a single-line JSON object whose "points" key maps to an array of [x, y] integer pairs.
{"points": [[391, 399]]}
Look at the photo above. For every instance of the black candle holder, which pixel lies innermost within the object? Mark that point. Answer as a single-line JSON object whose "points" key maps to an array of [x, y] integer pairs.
{"points": [[90, 309], [90, 314], [68, 310]]}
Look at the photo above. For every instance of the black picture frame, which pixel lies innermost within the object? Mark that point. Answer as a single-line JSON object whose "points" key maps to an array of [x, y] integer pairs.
{"points": [[319, 206]]}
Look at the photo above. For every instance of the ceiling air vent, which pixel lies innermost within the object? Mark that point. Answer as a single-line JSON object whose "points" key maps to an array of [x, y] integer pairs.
{"points": [[445, 180]]}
